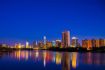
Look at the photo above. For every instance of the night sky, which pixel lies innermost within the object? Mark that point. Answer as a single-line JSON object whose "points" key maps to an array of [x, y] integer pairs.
{"points": [[32, 19]]}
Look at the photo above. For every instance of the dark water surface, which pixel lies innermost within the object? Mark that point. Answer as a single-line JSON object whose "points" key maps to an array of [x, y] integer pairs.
{"points": [[47, 60]]}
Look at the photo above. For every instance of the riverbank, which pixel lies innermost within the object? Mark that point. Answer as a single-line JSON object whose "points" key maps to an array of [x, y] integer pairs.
{"points": [[69, 49]]}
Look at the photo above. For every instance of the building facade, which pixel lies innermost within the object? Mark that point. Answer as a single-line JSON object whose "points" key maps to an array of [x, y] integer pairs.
{"points": [[65, 39]]}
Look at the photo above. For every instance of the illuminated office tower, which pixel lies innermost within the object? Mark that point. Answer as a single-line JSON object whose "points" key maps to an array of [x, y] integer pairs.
{"points": [[101, 42], [18, 45], [97, 43], [84, 43], [35, 44], [48, 44], [93, 42], [66, 39], [40, 44], [44, 40], [53, 43], [27, 44], [74, 42], [58, 43], [89, 44], [104, 42]]}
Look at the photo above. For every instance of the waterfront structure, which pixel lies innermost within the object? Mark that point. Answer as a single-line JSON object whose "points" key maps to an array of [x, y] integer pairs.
{"points": [[97, 43], [45, 40], [66, 39], [101, 42], [84, 43], [53, 43], [27, 44], [104, 42], [18, 45], [87, 44], [48, 44], [93, 43], [40, 44], [74, 42], [35, 44], [58, 43]]}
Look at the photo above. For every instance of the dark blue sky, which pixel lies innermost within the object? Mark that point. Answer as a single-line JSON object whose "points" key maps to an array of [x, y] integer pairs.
{"points": [[32, 19]]}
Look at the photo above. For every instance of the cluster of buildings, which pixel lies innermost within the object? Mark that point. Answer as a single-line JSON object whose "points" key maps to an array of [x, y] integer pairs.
{"points": [[66, 41], [93, 43]]}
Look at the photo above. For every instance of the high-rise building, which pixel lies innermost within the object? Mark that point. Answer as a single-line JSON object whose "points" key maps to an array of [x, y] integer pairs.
{"points": [[84, 43], [101, 42], [18, 45], [104, 42], [97, 43], [27, 44], [87, 44], [93, 42], [40, 44], [58, 43], [44, 40], [53, 43], [66, 39], [35, 44], [74, 42], [48, 44]]}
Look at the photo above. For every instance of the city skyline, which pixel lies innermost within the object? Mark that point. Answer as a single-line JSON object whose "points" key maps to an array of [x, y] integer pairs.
{"points": [[52, 34], [65, 36]]}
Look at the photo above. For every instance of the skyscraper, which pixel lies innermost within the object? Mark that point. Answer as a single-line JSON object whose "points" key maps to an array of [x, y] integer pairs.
{"points": [[101, 42], [58, 43], [66, 39], [44, 40], [74, 42], [27, 44], [104, 42], [84, 43], [87, 44]]}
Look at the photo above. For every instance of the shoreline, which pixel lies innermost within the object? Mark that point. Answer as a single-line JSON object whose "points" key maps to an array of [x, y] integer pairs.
{"points": [[57, 49]]}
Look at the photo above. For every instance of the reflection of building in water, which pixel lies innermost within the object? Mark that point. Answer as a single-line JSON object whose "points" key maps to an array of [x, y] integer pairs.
{"points": [[74, 59], [58, 58], [21, 55], [92, 58], [47, 57], [44, 60], [65, 61]]}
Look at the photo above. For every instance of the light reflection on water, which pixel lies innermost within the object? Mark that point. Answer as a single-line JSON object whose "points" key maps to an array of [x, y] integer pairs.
{"points": [[67, 60]]}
